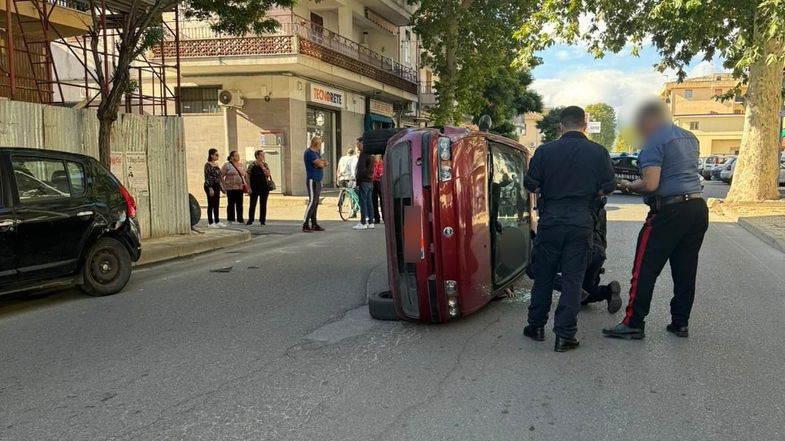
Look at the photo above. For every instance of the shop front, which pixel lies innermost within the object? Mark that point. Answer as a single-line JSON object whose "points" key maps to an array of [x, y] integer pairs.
{"points": [[323, 119], [379, 115]]}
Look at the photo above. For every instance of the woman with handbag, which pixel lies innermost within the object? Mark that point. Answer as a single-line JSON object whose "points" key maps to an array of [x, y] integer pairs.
{"points": [[233, 178], [213, 188], [261, 184]]}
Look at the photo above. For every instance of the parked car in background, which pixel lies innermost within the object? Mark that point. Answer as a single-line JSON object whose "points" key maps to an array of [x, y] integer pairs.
{"points": [[459, 221], [726, 172], [625, 167], [64, 219], [707, 164], [717, 169]]}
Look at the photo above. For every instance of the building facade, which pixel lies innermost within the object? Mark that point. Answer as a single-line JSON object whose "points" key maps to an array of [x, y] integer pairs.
{"points": [[695, 106], [333, 69], [526, 127]]}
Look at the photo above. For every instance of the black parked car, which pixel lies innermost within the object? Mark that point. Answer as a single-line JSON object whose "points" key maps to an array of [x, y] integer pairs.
{"points": [[64, 218], [625, 167]]}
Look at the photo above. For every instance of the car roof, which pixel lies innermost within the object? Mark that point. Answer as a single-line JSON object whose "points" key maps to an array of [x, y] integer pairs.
{"points": [[41, 152]]}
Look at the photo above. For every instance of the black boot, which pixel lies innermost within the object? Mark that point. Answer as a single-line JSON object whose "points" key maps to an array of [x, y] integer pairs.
{"points": [[536, 333], [614, 301], [565, 344]]}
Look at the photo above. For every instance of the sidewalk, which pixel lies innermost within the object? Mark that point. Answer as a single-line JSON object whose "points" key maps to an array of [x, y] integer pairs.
{"points": [[173, 247], [770, 229]]}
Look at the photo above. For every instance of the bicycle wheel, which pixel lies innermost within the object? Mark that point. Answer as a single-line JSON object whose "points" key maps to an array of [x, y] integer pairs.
{"points": [[344, 206]]}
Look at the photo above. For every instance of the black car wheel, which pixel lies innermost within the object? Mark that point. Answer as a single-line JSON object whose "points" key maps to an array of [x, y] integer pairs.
{"points": [[106, 268], [381, 307]]}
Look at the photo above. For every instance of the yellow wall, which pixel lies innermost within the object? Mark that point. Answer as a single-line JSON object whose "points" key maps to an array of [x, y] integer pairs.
{"points": [[717, 134]]}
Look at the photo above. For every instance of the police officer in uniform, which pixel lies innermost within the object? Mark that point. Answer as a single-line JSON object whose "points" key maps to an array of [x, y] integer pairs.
{"points": [[568, 175], [675, 226]]}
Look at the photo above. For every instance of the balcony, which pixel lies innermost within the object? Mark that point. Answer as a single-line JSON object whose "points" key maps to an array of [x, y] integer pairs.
{"points": [[427, 94], [64, 18], [295, 36]]}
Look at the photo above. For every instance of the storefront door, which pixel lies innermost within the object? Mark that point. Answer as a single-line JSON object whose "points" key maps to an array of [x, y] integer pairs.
{"points": [[321, 123]]}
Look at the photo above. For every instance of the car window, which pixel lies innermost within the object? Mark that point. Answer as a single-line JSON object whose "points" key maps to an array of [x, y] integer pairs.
{"points": [[40, 179], [76, 177], [509, 204]]}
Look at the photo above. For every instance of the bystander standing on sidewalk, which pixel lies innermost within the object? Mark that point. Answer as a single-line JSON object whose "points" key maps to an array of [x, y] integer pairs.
{"points": [[233, 176], [314, 171], [213, 188], [260, 181], [376, 177], [364, 176]]}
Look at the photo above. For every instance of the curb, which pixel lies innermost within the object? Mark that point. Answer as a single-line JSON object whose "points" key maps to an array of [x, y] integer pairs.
{"points": [[161, 252], [761, 234]]}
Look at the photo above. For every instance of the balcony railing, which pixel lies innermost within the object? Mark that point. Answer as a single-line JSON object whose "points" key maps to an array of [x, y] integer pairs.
{"points": [[295, 35]]}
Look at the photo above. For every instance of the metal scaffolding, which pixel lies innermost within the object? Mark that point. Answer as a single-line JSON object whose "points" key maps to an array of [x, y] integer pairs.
{"points": [[47, 56]]}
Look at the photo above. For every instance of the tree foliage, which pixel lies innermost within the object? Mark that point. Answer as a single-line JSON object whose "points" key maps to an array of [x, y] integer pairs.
{"points": [[550, 125], [626, 140], [506, 95], [607, 117], [465, 42], [140, 28], [747, 34]]}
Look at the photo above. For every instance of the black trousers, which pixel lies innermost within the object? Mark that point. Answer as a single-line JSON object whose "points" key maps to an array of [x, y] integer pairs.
{"points": [[377, 202], [234, 205], [212, 203], [260, 196], [674, 233], [592, 290], [314, 191], [567, 247]]}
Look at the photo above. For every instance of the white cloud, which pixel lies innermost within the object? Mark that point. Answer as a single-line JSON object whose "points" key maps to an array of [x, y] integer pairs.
{"points": [[622, 90], [706, 68]]}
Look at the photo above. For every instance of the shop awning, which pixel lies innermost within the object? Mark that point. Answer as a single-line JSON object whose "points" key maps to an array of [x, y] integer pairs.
{"points": [[371, 118]]}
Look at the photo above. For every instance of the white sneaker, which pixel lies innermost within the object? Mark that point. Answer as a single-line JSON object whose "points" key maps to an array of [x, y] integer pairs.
{"points": [[213, 226], [360, 227], [229, 223], [371, 226], [221, 225]]}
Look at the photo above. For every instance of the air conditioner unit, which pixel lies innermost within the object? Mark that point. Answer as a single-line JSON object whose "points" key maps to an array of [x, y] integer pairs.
{"points": [[230, 98], [410, 108]]}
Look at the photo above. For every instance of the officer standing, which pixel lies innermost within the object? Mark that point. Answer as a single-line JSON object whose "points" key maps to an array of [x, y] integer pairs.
{"points": [[675, 226], [568, 174]]}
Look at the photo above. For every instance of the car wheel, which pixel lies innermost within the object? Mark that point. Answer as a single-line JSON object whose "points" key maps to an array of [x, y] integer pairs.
{"points": [[196, 209], [106, 268], [381, 307]]}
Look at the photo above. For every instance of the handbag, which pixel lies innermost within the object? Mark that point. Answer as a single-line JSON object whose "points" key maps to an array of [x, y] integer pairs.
{"points": [[246, 190], [271, 184]]}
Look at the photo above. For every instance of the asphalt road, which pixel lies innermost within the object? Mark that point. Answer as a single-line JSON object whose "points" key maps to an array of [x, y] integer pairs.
{"points": [[281, 348]]}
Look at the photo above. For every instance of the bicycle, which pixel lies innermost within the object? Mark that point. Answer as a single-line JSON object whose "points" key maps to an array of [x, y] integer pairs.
{"points": [[348, 202]]}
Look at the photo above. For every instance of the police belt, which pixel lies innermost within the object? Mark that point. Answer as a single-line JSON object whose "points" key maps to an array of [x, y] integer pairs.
{"points": [[658, 202]]}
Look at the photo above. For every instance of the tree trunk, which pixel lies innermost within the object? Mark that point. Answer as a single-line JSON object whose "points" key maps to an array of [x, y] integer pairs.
{"points": [[757, 168], [104, 138]]}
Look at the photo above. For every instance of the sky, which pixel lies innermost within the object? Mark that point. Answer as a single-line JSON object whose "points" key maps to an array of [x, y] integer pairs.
{"points": [[570, 75]]}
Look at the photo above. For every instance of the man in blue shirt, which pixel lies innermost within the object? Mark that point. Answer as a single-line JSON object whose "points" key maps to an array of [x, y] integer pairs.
{"points": [[675, 226], [568, 174], [314, 171]]}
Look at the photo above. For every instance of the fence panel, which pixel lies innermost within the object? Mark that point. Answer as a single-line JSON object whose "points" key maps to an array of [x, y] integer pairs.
{"points": [[167, 175], [129, 147], [21, 124], [61, 130]]}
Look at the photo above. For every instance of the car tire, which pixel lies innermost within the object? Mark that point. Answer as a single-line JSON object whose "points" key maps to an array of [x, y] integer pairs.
{"points": [[381, 306], [195, 208], [106, 268]]}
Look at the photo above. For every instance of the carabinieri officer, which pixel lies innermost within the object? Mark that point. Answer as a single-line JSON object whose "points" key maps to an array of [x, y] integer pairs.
{"points": [[675, 226], [568, 174]]}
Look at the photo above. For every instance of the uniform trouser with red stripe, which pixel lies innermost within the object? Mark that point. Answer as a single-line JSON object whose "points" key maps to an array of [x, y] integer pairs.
{"points": [[674, 233]]}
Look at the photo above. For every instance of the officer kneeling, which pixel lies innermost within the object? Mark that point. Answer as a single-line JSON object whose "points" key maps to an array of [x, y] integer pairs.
{"points": [[568, 175]]}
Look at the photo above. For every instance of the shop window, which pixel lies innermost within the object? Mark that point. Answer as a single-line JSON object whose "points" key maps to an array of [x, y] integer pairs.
{"points": [[199, 99], [688, 93], [694, 125]]}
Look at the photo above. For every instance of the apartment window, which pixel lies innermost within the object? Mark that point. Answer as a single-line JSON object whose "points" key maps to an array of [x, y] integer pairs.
{"points": [[199, 99], [694, 125], [407, 47], [687, 93]]}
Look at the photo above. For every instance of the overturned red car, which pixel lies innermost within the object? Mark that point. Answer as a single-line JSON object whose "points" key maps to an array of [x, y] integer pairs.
{"points": [[458, 220]]}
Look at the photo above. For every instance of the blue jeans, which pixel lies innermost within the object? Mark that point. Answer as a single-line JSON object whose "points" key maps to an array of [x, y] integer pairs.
{"points": [[366, 202]]}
